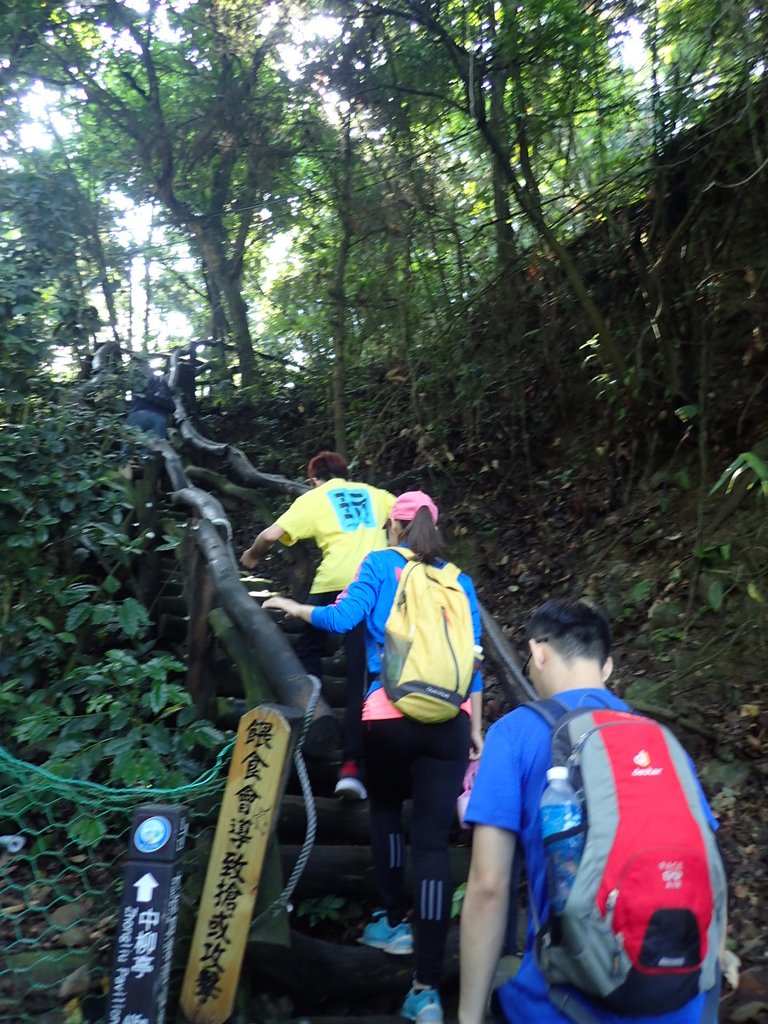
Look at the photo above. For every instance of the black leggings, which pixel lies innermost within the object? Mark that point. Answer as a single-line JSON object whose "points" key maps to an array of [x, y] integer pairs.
{"points": [[405, 759], [310, 648]]}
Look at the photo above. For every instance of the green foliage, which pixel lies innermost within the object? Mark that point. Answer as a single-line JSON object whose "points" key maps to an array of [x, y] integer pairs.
{"points": [[46, 245], [61, 510], [682, 479], [229, 134], [687, 413], [319, 909], [640, 593], [466, 119], [748, 463], [87, 831], [637, 599], [176, 106], [715, 595], [667, 636], [121, 721], [707, 45], [713, 554], [83, 691], [457, 900]]}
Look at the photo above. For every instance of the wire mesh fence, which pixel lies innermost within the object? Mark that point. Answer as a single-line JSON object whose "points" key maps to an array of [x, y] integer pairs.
{"points": [[62, 844]]}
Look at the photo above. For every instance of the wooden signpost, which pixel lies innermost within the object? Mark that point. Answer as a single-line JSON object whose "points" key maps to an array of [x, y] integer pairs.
{"points": [[250, 803]]}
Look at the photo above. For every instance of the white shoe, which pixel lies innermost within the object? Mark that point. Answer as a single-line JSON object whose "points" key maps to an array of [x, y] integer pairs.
{"points": [[350, 785]]}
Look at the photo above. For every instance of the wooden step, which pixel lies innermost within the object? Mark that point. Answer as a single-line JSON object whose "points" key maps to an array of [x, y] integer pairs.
{"points": [[449, 1005], [316, 970], [314, 1019], [348, 870], [338, 821]]}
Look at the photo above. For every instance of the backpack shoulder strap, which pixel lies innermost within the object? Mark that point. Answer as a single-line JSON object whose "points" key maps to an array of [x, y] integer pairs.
{"points": [[558, 715], [562, 999], [551, 709], [407, 554], [447, 575], [411, 563]]}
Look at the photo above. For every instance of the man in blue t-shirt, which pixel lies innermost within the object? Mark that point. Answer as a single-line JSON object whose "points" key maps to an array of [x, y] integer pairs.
{"points": [[569, 643]]}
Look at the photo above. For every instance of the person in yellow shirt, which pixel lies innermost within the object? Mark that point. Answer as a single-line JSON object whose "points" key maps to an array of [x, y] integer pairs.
{"points": [[346, 520]]}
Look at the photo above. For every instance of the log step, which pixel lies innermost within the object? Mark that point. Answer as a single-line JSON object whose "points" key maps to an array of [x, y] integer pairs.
{"points": [[314, 1019], [314, 969], [347, 871], [338, 821]]}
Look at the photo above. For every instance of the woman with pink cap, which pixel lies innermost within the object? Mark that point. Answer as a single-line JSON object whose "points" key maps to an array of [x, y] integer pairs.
{"points": [[406, 758]]}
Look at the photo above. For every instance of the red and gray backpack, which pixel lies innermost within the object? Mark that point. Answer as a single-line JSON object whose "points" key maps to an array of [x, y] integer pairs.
{"points": [[641, 930]]}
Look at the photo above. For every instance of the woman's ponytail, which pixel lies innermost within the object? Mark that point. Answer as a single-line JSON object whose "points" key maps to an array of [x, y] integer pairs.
{"points": [[423, 537]]}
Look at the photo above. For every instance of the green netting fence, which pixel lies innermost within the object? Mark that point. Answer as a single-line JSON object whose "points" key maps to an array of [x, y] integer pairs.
{"points": [[60, 891]]}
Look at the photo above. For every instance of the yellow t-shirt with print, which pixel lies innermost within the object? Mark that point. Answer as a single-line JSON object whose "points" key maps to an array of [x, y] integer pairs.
{"points": [[346, 521]]}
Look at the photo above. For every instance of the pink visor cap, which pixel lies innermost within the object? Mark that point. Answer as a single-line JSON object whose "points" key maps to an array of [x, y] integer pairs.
{"points": [[407, 505]]}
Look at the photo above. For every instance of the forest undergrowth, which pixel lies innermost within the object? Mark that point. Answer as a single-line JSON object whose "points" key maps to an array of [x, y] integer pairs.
{"points": [[682, 577], [690, 645]]}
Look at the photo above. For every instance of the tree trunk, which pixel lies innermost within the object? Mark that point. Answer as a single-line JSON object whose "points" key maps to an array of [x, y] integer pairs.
{"points": [[526, 190], [506, 243], [226, 281], [145, 336], [338, 292]]}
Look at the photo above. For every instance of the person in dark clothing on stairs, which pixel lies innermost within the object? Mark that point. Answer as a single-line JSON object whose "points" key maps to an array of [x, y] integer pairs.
{"points": [[152, 408]]}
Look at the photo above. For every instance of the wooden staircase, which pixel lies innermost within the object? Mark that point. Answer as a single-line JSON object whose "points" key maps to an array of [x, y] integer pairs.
{"points": [[238, 658]]}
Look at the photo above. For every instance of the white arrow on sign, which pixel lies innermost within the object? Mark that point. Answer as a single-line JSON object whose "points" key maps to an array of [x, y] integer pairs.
{"points": [[145, 887]]}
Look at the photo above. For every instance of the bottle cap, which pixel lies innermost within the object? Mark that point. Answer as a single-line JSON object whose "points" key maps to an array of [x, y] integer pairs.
{"points": [[559, 773]]}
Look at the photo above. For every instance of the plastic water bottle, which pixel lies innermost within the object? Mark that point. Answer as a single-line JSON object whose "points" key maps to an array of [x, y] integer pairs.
{"points": [[561, 810]]}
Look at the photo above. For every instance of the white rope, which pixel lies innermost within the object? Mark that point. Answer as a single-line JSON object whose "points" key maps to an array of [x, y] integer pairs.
{"points": [[284, 899]]}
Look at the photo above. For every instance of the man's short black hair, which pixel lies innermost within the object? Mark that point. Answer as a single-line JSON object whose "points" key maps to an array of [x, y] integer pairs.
{"points": [[575, 629]]}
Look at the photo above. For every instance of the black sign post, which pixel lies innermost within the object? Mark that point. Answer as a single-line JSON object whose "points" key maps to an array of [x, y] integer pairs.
{"points": [[146, 925]]}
